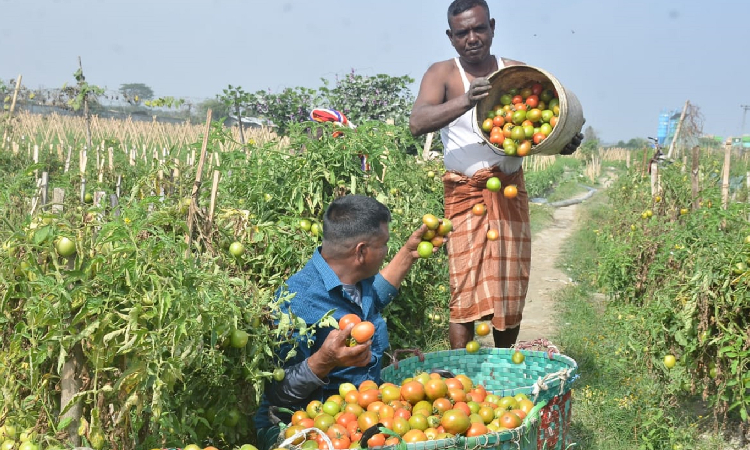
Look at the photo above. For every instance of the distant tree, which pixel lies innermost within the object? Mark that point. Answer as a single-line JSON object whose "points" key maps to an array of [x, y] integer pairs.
{"points": [[136, 92], [590, 145], [290, 105], [361, 97], [219, 110], [589, 134], [636, 143]]}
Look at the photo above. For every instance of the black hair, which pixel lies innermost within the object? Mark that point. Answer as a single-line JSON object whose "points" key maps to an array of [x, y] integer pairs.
{"points": [[353, 217], [459, 6]]}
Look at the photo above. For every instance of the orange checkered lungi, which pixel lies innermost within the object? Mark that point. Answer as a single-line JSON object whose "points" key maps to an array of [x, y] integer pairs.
{"points": [[487, 278]]}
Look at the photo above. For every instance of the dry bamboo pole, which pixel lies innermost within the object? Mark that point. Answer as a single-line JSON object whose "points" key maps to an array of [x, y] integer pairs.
{"points": [[427, 146], [725, 174], [82, 167], [12, 108], [214, 193], [193, 209], [677, 131]]}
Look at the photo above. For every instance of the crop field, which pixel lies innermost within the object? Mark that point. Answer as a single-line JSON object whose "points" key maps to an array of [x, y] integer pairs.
{"points": [[140, 264]]}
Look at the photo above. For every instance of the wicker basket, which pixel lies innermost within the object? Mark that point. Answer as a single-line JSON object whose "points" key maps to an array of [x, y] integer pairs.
{"points": [[571, 114], [544, 376]]}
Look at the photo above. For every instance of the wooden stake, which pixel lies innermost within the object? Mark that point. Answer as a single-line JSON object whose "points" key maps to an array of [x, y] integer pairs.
{"points": [[196, 186], [677, 131], [725, 174], [694, 177], [427, 146], [214, 192], [10, 112]]}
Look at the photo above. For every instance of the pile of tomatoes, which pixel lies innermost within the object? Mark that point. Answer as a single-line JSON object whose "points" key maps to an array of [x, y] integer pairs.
{"points": [[522, 119], [434, 237], [425, 407]]}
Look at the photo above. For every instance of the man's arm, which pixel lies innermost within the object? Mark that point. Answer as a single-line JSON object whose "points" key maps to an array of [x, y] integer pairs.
{"points": [[432, 111], [395, 271]]}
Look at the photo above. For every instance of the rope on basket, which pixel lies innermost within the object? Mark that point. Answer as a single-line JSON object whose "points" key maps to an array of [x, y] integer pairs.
{"points": [[541, 385], [303, 433], [416, 352], [542, 342]]}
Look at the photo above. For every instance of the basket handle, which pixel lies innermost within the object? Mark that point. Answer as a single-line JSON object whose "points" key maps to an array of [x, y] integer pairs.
{"points": [[537, 343], [417, 352]]}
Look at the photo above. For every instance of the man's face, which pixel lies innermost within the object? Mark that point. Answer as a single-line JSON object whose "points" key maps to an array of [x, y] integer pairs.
{"points": [[377, 250], [471, 34]]}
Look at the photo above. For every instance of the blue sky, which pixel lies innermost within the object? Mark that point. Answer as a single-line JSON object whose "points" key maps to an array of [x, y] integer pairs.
{"points": [[626, 61]]}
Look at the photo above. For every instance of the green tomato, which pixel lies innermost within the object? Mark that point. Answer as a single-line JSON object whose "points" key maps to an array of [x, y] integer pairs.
{"points": [[424, 249], [236, 249], [238, 338], [65, 247], [493, 184], [305, 225], [279, 374], [670, 361]]}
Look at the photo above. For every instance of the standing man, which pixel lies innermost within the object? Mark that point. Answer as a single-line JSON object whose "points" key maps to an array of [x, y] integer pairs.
{"points": [[488, 279], [343, 275]]}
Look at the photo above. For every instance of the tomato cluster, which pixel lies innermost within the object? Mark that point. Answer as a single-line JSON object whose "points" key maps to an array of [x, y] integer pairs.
{"points": [[435, 235], [361, 332], [522, 119], [494, 185], [425, 407]]}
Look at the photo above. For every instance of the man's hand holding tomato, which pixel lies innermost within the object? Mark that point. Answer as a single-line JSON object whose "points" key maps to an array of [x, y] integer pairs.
{"points": [[335, 352]]}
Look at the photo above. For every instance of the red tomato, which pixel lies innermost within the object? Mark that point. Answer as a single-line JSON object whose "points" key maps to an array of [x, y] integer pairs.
{"points": [[346, 319], [538, 137], [363, 331], [517, 99], [498, 121], [536, 88], [532, 101]]}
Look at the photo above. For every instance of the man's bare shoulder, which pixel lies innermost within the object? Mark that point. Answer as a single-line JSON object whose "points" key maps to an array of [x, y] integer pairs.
{"points": [[442, 67], [512, 62]]}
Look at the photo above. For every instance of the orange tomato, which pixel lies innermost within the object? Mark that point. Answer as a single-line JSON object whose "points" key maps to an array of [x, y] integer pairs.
{"points": [[524, 148], [510, 191], [347, 319], [298, 416], [479, 209], [367, 385], [412, 392], [377, 440], [492, 235], [363, 331], [477, 429], [483, 329], [498, 121], [510, 420], [414, 435]]}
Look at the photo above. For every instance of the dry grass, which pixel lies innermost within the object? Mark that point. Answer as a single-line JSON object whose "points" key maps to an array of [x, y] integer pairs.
{"points": [[57, 130]]}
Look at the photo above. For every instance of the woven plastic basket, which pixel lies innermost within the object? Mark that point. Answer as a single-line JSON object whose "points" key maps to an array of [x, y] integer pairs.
{"points": [[544, 376], [521, 438]]}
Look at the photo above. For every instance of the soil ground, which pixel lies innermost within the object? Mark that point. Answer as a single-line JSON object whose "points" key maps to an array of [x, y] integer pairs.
{"points": [[545, 278]]}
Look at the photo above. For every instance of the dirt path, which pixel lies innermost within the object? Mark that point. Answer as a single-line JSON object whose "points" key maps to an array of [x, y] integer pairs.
{"points": [[545, 278]]}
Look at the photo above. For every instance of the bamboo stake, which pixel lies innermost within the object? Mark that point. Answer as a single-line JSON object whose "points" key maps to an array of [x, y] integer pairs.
{"points": [[427, 146], [694, 178], [214, 192], [12, 108], [196, 186], [725, 174], [677, 131]]}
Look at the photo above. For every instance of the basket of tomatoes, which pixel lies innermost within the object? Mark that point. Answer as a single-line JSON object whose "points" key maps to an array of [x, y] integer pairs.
{"points": [[544, 378], [429, 411], [528, 111]]}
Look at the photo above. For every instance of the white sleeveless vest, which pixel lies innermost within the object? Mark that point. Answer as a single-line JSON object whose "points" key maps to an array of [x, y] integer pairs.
{"points": [[464, 150]]}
